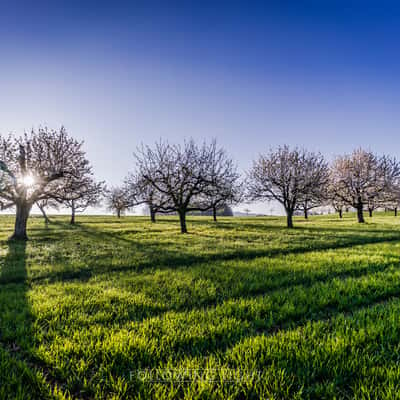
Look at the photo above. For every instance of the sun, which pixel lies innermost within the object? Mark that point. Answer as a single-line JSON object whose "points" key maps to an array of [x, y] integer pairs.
{"points": [[28, 180]]}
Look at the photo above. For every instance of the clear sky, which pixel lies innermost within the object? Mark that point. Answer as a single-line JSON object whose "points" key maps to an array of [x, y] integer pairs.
{"points": [[324, 75]]}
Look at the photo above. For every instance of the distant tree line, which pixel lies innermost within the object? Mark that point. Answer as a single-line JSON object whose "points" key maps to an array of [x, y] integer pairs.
{"points": [[50, 169]]}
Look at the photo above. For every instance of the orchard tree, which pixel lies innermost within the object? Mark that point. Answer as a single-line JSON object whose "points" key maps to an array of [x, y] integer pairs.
{"points": [[316, 178], [81, 193], [182, 174], [392, 200], [373, 203], [117, 200], [338, 207], [362, 178], [45, 204], [336, 202], [222, 198], [224, 211], [39, 164], [287, 176], [391, 197], [224, 188], [139, 191]]}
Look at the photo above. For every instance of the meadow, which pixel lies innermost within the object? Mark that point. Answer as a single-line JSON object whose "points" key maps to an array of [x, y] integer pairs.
{"points": [[304, 313]]}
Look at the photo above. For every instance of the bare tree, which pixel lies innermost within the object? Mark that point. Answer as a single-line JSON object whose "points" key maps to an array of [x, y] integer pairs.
{"points": [[44, 204], [77, 192], [362, 178], [182, 174], [337, 203], [117, 200], [287, 176], [225, 188], [392, 199], [316, 178], [80, 194], [139, 191], [373, 203], [39, 164], [224, 210]]}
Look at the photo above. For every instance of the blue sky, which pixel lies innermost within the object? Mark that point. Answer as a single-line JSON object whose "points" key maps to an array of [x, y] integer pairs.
{"points": [[251, 74]]}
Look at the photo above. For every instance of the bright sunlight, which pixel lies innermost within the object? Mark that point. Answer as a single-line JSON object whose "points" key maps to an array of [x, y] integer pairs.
{"points": [[28, 180]]}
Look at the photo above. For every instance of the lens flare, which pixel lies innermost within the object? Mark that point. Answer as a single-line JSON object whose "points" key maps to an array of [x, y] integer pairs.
{"points": [[28, 180]]}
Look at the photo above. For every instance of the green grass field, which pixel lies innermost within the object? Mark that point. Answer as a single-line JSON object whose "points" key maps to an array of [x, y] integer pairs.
{"points": [[312, 312]]}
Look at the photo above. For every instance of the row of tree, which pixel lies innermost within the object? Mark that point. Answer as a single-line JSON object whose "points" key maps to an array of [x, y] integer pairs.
{"points": [[181, 179], [302, 180], [50, 169]]}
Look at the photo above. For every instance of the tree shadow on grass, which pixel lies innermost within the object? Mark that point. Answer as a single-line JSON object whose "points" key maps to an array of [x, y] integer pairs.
{"points": [[14, 305], [13, 266], [259, 226], [222, 336], [18, 376], [259, 284], [225, 337], [367, 358], [162, 256]]}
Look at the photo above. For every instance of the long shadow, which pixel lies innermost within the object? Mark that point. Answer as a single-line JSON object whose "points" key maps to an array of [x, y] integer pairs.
{"points": [[228, 336], [160, 256], [29, 377], [267, 226], [13, 266], [15, 307], [16, 337], [351, 235], [297, 365], [257, 227], [275, 280], [267, 284], [204, 346], [366, 351]]}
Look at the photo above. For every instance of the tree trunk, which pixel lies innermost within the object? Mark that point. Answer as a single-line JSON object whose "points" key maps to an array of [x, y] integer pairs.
{"points": [[72, 222], [21, 219], [360, 214], [182, 220], [340, 213], [305, 213], [289, 219], [46, 218], [119, 213], [370, 211], [152, 215], [395, 212], [215, 214]]}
